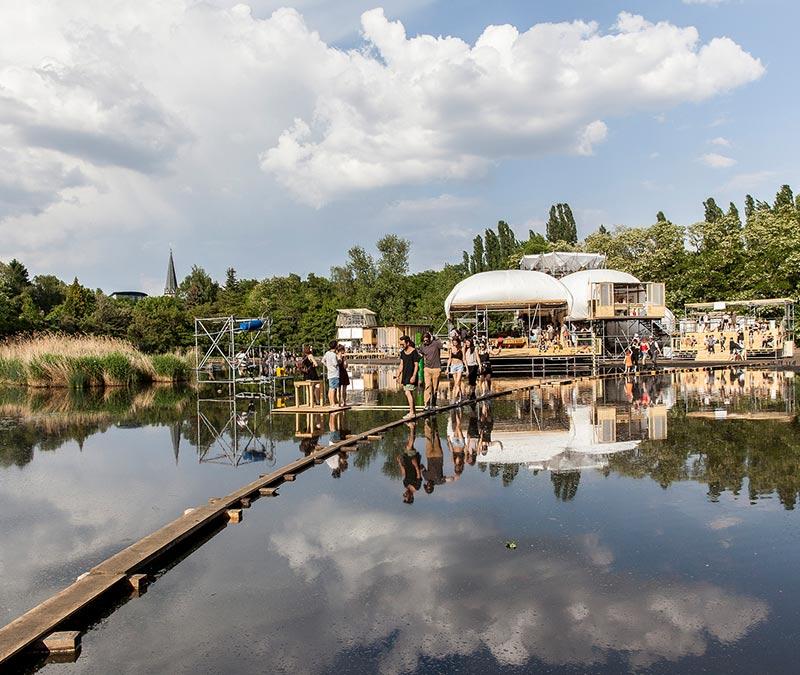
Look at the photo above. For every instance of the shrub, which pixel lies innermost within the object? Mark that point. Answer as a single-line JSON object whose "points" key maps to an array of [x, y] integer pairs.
{"points": [[169, 367], [118, 369]]}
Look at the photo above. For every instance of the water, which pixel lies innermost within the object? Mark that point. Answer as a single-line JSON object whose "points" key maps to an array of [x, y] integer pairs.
{"points": [[643, 525]]}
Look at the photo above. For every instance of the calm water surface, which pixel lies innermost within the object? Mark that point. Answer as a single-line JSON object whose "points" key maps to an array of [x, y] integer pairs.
{"points": [[643, 525]]}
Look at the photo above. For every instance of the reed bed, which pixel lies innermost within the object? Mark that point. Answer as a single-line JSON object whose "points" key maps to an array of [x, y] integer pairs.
{"points": [[80, 362]]}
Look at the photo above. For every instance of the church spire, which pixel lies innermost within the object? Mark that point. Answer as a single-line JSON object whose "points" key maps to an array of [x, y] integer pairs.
{"points": [[171, 287]]}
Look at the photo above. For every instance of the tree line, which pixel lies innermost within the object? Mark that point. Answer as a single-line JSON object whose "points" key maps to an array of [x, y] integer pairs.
{"points": [[720, 257]]}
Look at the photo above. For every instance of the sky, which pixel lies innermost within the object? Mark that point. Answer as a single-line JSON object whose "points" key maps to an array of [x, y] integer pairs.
{"points": [[272, 137]]}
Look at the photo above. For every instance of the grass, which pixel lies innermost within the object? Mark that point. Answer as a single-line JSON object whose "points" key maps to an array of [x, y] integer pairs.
{"points": [[80, 362]]}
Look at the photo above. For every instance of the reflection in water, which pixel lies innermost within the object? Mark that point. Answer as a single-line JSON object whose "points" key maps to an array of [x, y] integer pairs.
{"points": [[635, 426], [407, 594]]}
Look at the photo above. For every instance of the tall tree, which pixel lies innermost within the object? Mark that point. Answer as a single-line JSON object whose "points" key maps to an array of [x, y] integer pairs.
{"points": [[478, 263], [784, 199], [14, 278], [198, 288], [554, 230], [733, 215], [660, 217], [712, 212], [749, 208], [230, 279], [508, 241], [494, 257], [569, 227]]}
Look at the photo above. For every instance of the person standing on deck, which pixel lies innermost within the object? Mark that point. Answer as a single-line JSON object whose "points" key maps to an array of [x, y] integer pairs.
{"points": [[308, 367], [344, 377], [331, 362], [473, 364], [407, 372], [455, 366], [431, 351]]}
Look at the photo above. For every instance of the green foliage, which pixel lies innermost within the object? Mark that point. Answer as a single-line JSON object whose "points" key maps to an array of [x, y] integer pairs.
{"points": [[160, 324], [198, 288], [118, 369], [561, 225], [170, 367]]}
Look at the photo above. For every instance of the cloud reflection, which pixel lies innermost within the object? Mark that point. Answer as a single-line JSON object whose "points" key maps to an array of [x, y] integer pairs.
{"points": [[435, 591]]}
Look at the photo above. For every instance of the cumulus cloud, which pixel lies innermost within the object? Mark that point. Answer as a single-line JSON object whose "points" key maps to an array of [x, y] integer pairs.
{"points": [[717, 161], [407, 585], [721, 142], [119, 116], [426, 108]]}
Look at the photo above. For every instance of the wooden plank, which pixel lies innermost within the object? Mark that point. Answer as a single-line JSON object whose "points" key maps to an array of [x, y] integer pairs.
{"points": [[40, 621]]}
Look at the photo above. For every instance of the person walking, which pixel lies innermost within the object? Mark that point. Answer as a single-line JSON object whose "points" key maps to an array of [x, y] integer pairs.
{"points": [[484, 356], [331, 362], [407, 372], [431, 350], [455, 366], [472, 363]]}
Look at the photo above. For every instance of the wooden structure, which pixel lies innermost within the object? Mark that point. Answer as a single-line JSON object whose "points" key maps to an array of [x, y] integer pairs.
{"points": [[356, 327]]}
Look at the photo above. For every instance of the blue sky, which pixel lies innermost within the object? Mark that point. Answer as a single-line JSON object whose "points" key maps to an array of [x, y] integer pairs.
{"points": [[272, 142]]}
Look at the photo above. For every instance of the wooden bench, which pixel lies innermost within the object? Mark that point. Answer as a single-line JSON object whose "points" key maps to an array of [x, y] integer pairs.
{"points": [[305, 387]]}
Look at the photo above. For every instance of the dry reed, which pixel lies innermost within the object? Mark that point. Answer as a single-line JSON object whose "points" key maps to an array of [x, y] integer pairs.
{"points": [[56, 360]]}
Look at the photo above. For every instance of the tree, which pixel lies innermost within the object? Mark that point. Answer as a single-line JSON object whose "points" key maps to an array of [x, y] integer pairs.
{"points": [[494, 257], [394, 255], [561, 225], [749, 208], [712, 212], [508, 241], [159, 324], [47, 292], [477, 263], [733, 215], [230, 279], [554, 230], [14, 279], [783, 200], [198, 288], [660, 217]]}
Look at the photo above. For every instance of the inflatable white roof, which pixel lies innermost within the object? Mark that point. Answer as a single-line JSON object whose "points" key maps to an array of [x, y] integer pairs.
{"points": [[507, 289], [580, 283]]}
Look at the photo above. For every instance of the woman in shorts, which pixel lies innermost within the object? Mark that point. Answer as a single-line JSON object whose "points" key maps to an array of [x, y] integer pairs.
{"points": [[455, 366]]}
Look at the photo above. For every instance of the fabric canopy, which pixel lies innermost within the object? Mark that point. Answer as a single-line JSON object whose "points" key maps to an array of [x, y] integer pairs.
{"points": [[560, 263]]}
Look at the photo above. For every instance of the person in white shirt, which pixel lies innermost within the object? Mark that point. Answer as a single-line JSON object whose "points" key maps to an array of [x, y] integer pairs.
{"points": [[331, 361]]}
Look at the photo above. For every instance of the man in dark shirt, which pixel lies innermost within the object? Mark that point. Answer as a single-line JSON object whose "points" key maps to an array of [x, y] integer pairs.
{"points": [[431, 351], [407, 372]]}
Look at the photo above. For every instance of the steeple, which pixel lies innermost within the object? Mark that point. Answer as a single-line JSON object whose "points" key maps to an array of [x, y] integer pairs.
{"points": [[171, 287]]}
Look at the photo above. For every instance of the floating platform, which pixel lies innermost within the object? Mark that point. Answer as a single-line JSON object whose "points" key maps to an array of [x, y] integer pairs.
{"points": [[311, 410]]}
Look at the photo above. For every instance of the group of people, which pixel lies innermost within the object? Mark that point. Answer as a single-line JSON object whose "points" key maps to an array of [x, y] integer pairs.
{"points": [[335, 362], [721, 339], [639, 349], [468, 358], [462, 448]]}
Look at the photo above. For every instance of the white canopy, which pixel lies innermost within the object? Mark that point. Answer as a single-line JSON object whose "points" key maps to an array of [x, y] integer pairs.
{"points": [[579, 447], [580, 283], [560, 263], [507, 289]]}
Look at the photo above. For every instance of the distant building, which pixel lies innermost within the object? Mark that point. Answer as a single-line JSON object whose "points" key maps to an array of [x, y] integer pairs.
{"points": [[171, 287], [133, 296], [356, 327]]}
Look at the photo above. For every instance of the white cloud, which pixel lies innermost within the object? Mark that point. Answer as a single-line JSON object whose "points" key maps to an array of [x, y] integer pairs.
{"points": [[432, 108], [717, 161], [444, 203], [404, 582], [172, 117], [746, 182], [721, 142]]}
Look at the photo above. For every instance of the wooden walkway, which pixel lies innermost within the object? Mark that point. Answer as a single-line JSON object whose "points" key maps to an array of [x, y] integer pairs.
{"points": [[129, 566]]}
